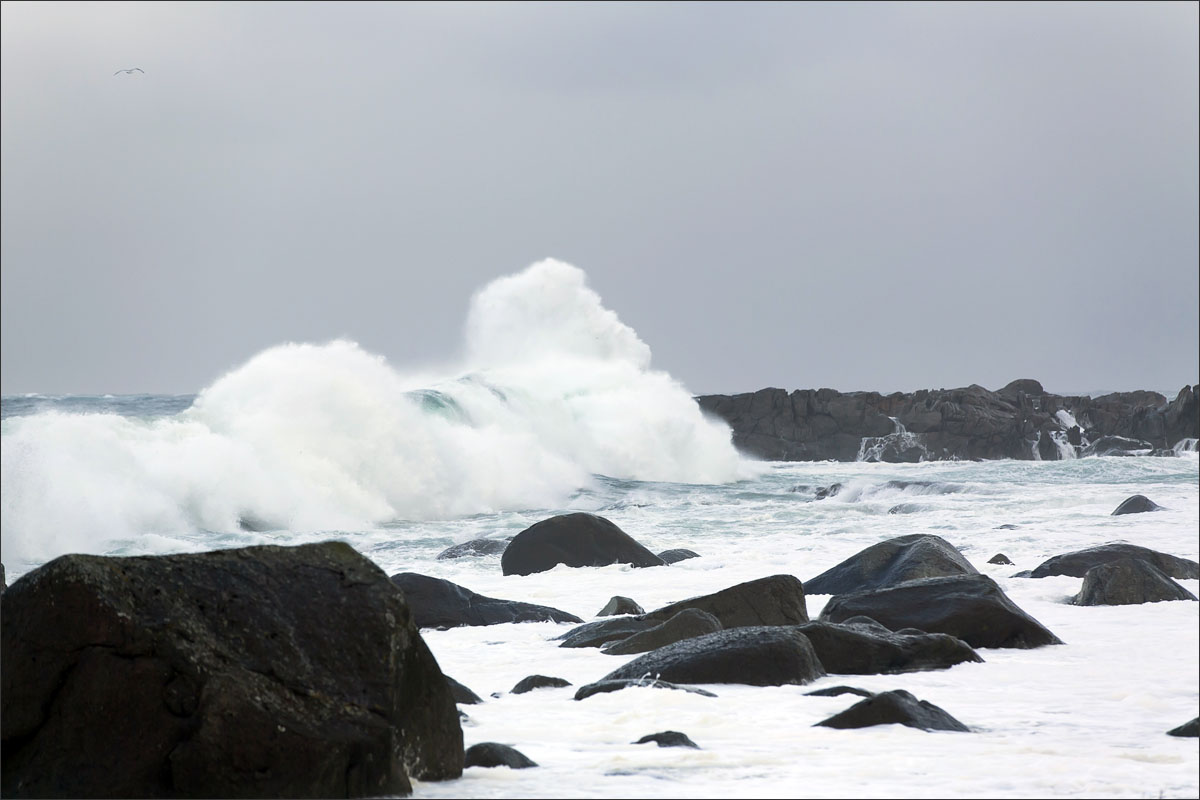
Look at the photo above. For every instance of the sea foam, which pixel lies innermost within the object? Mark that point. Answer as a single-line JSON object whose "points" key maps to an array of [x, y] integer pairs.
{"points": [[552, 389]]}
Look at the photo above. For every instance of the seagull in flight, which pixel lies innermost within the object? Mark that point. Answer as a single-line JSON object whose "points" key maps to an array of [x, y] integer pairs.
{"points": [[130, 71]]}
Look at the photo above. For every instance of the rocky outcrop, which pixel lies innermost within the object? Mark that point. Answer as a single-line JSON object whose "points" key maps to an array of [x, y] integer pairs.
{"points": [[970, 607], [1077, 563], [577, 540], [895, 708], [255, 672], [757, 656], [1020, 421], [438, 603], [1128, 581], [894, 561]]}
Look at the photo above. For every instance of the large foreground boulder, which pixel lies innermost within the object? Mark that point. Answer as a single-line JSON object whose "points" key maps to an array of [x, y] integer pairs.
{"points": [[438, 603], [1128, 581], [757, 656], [257, 672], [970, 607], [854, 649], [1077, 563], [888, 563], [577, 540]]}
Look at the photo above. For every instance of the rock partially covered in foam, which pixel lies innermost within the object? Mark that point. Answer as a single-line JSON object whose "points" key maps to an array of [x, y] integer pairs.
{"points": [[1077, 563], [1128, 581], [473, 548], [255, 672], [774, 600], [892, 562], [686, 624], [895, 708], [1138, 504], [850, 649], [577, 540], [438, 603]]}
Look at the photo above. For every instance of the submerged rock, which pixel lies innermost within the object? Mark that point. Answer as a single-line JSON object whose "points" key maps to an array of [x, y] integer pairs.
{"points": [[1128, 581], [254, 672], [474, 548], [494, 754], [1077, 563], [837, 691], [668, 739], [895, 707], [601, 632], [1187, 729], [438, 603], [616, 685], [1138, 504], [538, 682], [577, 540], [1000, 558], [892, 562], [677, 554], [620, 605], [970, 607]]}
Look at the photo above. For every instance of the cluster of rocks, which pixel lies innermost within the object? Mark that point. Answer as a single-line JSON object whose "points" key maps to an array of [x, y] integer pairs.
{"points": [[1020, 421], [301, 671]]}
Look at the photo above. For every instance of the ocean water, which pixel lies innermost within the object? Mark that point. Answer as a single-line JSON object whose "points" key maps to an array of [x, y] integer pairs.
{"points": [[554, 407]]}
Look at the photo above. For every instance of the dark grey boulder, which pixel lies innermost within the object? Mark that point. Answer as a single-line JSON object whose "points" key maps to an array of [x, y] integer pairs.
{"points": [[599, 633], [1000, 558], [577, 540], [1077, 563], [848, 649], [1187, 729], [668, 739], [538, 682], [1138, 504], [494, 754], [604, 686], [895, 707], [757, 656], [462, 694], [438, 603], [255, 672], [620, 605], [837, 691], [677, 554], [686, 624], [970, 607], [1128, 581], [891, 562], [474, 548], [774, 600]]}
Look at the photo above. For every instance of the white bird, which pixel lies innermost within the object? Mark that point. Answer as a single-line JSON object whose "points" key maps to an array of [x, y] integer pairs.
{"points": [[130, 71]]}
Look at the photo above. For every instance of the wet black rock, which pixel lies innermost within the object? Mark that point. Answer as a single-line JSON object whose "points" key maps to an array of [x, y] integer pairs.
{"points": [[538, 682], [686, 624], [970, 607], [668, 739], [438, 603], [1138, 504], [461, 693], [774, 600], [493, 754], [757, 656], [850, 649], [1187, 729], [895, 707], [1129, 581], [620, 605], [891, 562], [474, 548], [139, 677], [1000, 558], [606, 685], [1077, 563], [677, 554], [577, 540]]}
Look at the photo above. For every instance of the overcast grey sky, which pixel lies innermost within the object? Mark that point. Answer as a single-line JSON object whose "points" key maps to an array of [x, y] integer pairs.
{"points": [[859, 196]]}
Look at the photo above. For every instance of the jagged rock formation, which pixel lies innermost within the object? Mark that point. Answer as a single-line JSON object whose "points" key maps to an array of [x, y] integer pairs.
{"points": [[1020, 421]]}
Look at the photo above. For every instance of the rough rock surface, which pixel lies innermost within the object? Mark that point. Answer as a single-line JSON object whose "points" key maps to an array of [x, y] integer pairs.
{"points": [[888, 563], [932, 424], [1077, 563], [255, 672], [438, 603], [757, 656], [686, 624], [970, 607], [577, 540], [895, 707], [851, 649], [1128, 581], [494, 754]]}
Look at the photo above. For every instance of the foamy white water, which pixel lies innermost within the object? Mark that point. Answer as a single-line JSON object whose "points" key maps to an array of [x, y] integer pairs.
{"points": [[555, 408]]}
